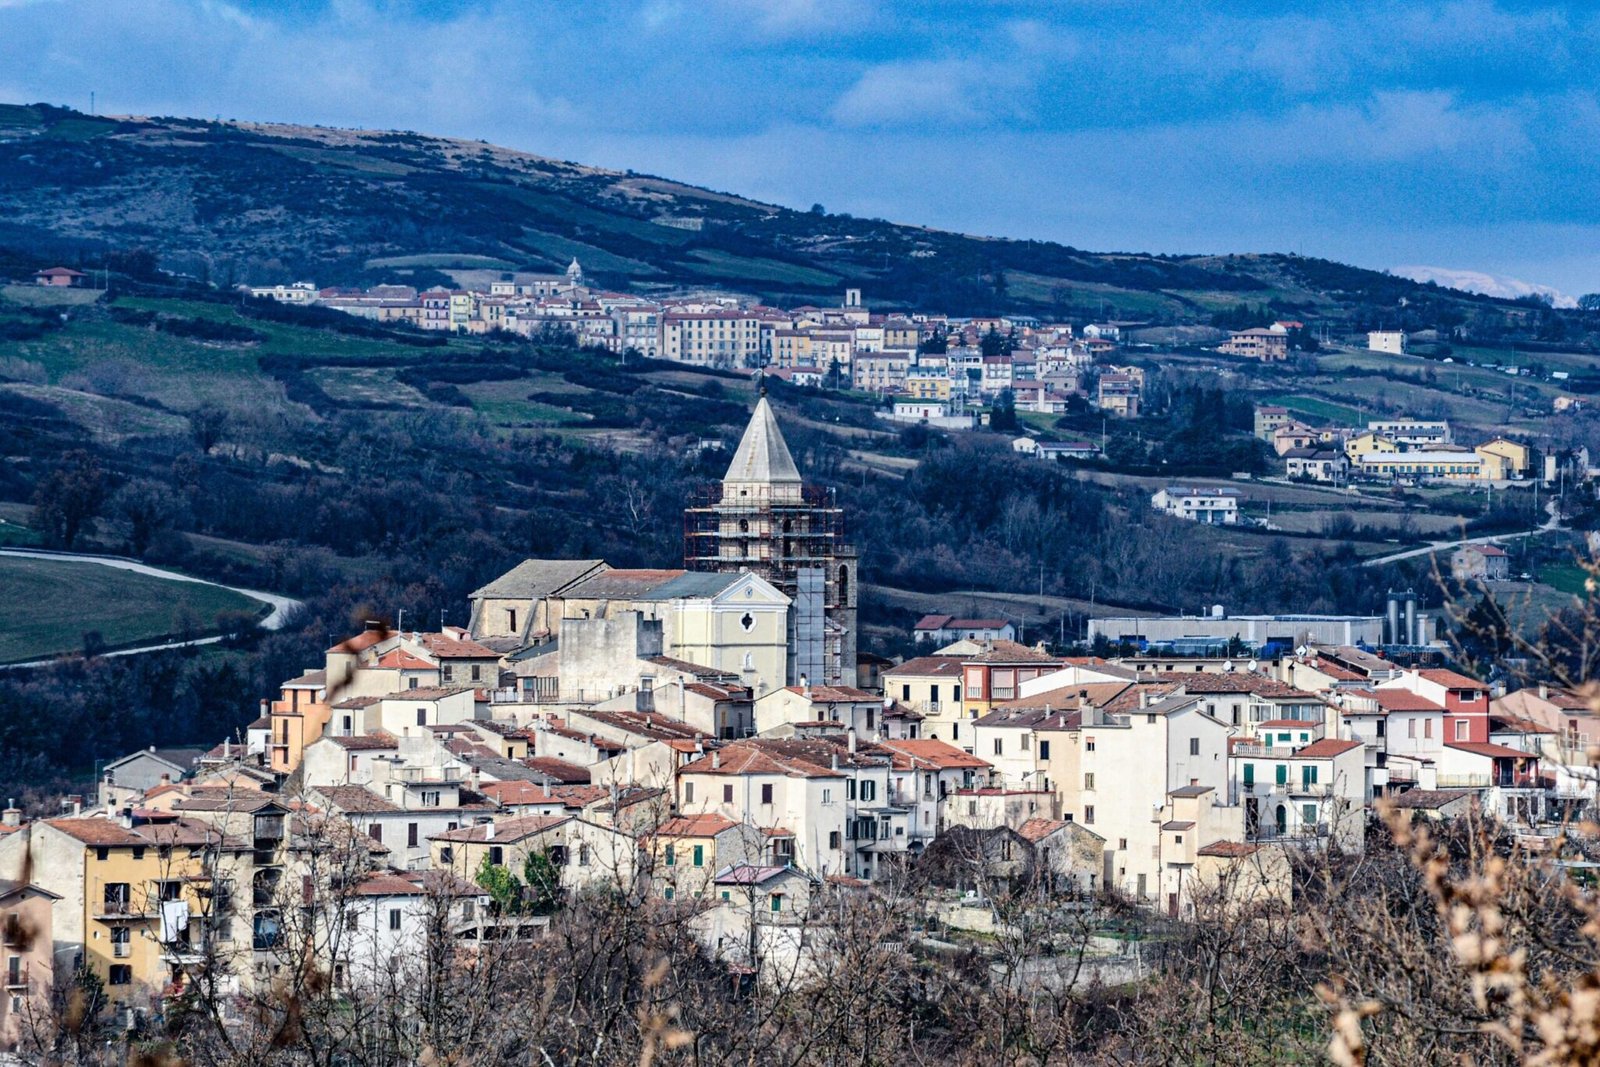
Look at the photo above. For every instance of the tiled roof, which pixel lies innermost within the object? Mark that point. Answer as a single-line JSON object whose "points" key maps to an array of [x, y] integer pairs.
{"points": [[1190, 791], [96, 831], [834, 694], [1327, 748], [1010, 652], [400, 659], [355, 799], [1403, 700], [1428, 799], [503, 831], [935, 753], [372, 742], [695, 826], [362, 641], [1451, 679], [533, 578], [1479, 748], [1230, 849], [1038, 829], [926, 666], [559, 769]]}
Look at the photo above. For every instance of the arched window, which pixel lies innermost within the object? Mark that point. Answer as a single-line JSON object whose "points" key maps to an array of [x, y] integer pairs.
{"points": [[844, 584]]}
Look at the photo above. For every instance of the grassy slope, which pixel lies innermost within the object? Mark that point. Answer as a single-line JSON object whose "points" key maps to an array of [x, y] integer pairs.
{"points": [[65, 599]]}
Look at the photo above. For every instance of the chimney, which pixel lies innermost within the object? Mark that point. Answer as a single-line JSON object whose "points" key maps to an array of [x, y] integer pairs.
{"points": [[473, 779], [488, 828], [266, 708], [373, 624], [227, 749], [166, 779], [1544, 691], [850, 739], [805, 686], [836, 761], [125, 817], [716, 759], [547, 788], [12, 816]]}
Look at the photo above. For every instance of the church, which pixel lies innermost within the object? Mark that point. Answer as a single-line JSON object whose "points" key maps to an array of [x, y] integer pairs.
{"points": [[767, 591]]}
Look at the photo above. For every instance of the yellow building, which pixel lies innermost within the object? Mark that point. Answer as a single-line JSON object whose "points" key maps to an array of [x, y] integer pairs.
{"points": [[1365, 444], [686, 852], [1503, 459]]}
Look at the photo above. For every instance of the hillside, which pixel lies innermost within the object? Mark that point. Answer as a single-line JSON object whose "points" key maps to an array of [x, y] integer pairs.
{"points": [[267, 203]]}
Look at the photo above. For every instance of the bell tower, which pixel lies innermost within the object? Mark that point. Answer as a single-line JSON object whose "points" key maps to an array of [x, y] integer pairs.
{"points": [[763, 518]]}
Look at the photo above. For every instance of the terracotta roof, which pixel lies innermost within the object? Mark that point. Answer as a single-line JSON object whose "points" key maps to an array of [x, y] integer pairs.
{"points": [[363, 640], [750, 757], [308, 680], [935, 753], [1327, 748], [1202, 683], [1479, 748], [446, 647], [695, 826], [1451, 680], [1010, 652], [1230, 849], [503, 831], [1037, 830], [1190, 791], [1403, 700], [96, 831], [835, 694], [516, 793], [922, 666], [559, 769], [1174, 824]]}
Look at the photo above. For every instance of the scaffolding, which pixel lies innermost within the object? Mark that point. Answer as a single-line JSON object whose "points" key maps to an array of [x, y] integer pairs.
{"points": [[794, 538]]}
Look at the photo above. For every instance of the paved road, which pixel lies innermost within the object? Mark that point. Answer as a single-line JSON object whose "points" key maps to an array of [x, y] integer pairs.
{"points": [[281, 605], [1550, 526]]}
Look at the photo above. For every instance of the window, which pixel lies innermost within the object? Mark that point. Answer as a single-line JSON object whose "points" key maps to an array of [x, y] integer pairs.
{"points": [[905, 693], [169, 891], [766, 794], [997, 746], [1411, 727], [1044, 750], [1088, 744], [666, 894], [1461, 729], [1122, 843], [699, 855], [869, 791], [1027, 742], [497, 856], [477, 672], [850, 790], [411, 835], [777, 902], [688, 792], [833, 839], [725, 895], [1088, 780], [411, 683], [1088, 814], [511, 618], [448, 672], [1150, 720], [672, 856], [727, 794], [583, 855], [1427, 728], [121, 974], [430, 799], [394, 918], [827, 796], [375, 831], [1308, 812], [447, 854], [1194, 746], [121, 942], [1249, 775], [422, 716]]}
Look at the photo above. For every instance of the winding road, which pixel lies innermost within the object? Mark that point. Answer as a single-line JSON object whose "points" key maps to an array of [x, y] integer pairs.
{"points": [[1552, 524], [281, 605]]}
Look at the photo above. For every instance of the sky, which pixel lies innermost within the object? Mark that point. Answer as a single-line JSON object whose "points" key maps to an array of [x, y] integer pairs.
{"points": [[1453, 135]]}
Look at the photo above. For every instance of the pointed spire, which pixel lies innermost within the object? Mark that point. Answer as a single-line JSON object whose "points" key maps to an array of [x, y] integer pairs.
{"points": [[763, 458]]}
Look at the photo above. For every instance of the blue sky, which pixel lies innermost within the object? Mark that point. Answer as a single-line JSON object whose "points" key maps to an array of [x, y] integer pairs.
{"points": [[1460, 134]]}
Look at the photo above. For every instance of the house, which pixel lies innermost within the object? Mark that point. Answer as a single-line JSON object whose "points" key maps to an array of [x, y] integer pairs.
{"points": [[931, 686], [1367, 443], [1505, 460], [60, 278], [1211, 506], [1293, 435], [943, 629], [387, 920], [1119, 395], [1448, 466], [1293, 782], [1268, 418], [763, 921], [26, 946], [1465, 701], [686, 852], [1263, 344], [1391, 342], [1239, 876], [1326, 465], [126, 780], [583, 854], [846, 706], [1413, 433], [1480, 563]]}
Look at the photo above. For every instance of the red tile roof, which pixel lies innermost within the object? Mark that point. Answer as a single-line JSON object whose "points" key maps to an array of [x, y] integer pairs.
{"points": [[1451, 680], [503, 831], [1403, 700], [935, 753], [1230, 849], [1327, 748], [1479, 748], [695, 826], [1037, 830]]}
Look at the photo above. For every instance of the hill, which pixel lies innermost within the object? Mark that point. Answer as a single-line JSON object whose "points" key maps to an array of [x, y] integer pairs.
{"points": [[236, 202]]}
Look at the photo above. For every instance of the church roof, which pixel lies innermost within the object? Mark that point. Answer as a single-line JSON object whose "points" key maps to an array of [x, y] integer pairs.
{"points": [[763, 457]]}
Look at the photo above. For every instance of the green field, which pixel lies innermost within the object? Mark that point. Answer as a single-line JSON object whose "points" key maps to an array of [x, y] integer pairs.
{"points": [[1566, 577], [51, 604], [1319, 409]]}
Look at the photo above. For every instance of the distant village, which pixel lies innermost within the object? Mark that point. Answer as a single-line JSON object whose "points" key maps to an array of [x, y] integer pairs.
{"points": [[707, 736]]}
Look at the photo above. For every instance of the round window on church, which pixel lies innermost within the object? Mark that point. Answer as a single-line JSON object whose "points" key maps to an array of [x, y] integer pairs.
{"points": [[748, 622]]}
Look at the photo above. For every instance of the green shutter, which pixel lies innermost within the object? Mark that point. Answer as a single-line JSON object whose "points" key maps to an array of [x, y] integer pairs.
{"points": [[1283, 774], [1249, 774], [699, 855]]}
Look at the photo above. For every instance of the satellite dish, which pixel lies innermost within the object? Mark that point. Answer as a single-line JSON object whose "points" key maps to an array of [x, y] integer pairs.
{"points": [[1253, 666], [1302, 651], [1227, 665]]}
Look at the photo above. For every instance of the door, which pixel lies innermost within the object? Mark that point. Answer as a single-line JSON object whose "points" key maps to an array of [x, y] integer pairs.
{"points": [[1172, 905], [1283, 819]]}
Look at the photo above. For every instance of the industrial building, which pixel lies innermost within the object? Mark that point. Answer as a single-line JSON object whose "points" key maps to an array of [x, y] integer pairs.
{"points": [[1401, 624]]}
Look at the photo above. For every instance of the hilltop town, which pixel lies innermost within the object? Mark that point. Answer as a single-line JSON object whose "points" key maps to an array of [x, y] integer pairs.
{"points": [[707, 742]]}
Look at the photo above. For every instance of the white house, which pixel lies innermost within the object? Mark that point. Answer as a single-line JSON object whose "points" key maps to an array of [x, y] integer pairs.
{"points": [[1392, 342], [1207, 505]]}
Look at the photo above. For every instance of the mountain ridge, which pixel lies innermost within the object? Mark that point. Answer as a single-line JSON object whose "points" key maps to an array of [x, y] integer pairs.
{"points": [[267, 202]]}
